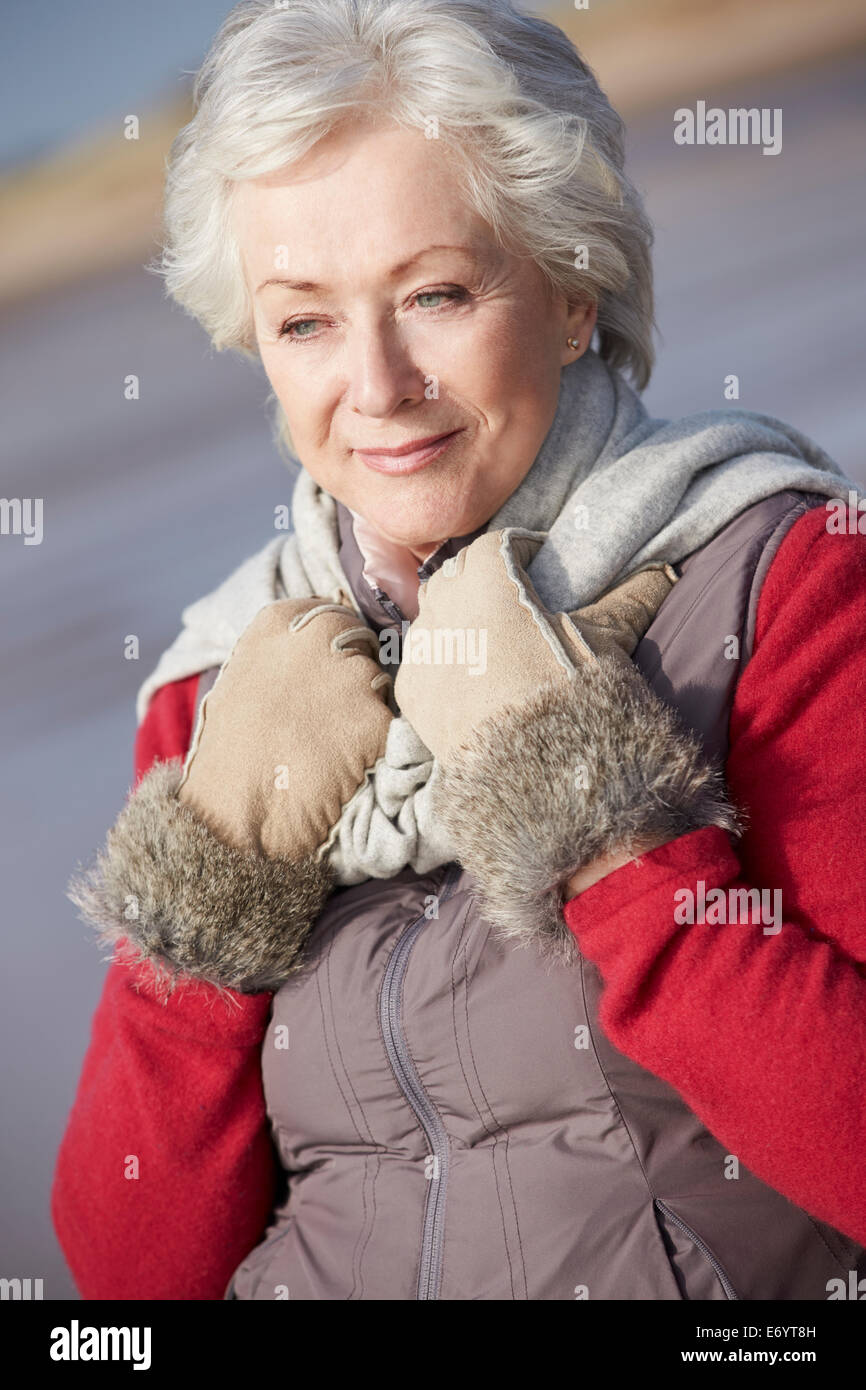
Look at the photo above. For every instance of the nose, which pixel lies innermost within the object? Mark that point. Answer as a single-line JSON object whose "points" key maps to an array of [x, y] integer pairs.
{"points": [[382, 373]]}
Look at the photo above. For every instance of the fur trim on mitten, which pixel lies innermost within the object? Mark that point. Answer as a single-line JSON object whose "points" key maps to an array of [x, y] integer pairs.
{"points": [[587, 767], [192, 904]]}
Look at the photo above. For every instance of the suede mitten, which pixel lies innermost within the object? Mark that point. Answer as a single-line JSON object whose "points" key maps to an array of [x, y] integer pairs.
{"points": [[555, 754], [217, 868]]}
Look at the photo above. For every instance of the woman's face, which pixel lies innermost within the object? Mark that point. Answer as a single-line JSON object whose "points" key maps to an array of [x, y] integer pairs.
{"points": [[385, 315]]}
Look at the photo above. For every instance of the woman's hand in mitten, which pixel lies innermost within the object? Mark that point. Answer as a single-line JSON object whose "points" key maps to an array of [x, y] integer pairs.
{"points": [[558, 762], [218, 868]]}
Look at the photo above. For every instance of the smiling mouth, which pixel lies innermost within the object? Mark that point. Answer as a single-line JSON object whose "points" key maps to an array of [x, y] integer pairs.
{"points": [[408, 458]]}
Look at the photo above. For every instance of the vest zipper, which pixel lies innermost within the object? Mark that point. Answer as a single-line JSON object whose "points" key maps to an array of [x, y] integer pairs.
{"points": [[395, 613], [704, 1249], [391, 1021]]}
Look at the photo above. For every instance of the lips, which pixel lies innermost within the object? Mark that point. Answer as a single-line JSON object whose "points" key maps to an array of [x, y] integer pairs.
{"points": [[407, 458]]}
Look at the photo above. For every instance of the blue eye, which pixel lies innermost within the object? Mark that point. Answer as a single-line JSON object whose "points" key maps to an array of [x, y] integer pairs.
{"points": [[432, 294], [298, 323], [456, 294], [453, 294]]}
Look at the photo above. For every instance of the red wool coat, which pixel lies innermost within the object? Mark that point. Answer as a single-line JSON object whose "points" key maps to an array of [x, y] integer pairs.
{"points": [[764, 1035]]}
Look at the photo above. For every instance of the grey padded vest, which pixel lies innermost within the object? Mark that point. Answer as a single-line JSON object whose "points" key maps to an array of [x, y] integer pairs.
{"points": [[450, 1117]]}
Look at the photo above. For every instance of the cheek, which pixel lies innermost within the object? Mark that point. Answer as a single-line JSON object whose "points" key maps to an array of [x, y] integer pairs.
{"points": [[506, 357], [297, 389], [286, 382]]}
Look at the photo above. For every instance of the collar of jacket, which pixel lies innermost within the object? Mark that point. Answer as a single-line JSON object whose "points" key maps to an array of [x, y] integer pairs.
{"points": [[377, 606]]}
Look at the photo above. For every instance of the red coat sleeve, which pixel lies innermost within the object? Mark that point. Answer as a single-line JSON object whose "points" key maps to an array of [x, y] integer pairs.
{"points": [[763, 1032], [166, 1175]]}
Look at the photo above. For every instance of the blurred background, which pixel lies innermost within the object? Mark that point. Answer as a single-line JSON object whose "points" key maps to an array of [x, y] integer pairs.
{"points": [[149, 503]]}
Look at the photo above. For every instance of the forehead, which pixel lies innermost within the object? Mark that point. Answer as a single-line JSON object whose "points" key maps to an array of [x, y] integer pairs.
{"points": [[368, 193]]}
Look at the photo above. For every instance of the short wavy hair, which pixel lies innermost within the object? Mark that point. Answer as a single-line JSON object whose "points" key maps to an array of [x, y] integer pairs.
{"points": [[537, 143]]}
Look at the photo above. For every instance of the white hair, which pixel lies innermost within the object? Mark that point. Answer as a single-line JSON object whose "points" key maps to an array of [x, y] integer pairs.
{"points": [[539, 146]]}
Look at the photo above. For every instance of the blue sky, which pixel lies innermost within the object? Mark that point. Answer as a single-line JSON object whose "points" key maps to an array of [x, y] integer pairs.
{"points": [[67, 66], [70, 65]]}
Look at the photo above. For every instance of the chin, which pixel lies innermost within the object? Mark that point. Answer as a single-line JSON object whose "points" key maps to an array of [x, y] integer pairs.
{"points": [[422, 523], [421, 534]]}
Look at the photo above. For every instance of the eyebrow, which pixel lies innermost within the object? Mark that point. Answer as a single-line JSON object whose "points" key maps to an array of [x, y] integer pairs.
{"points": [[306, 286]]}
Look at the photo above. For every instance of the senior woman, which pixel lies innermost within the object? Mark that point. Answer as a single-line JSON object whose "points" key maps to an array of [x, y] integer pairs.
{"points": [[535, 972]]}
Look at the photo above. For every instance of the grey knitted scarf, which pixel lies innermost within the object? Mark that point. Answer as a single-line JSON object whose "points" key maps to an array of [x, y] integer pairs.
{"points": [[612, 488]]}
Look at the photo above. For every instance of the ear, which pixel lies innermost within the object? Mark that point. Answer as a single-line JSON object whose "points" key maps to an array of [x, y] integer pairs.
{"points": [[581, 321]]}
